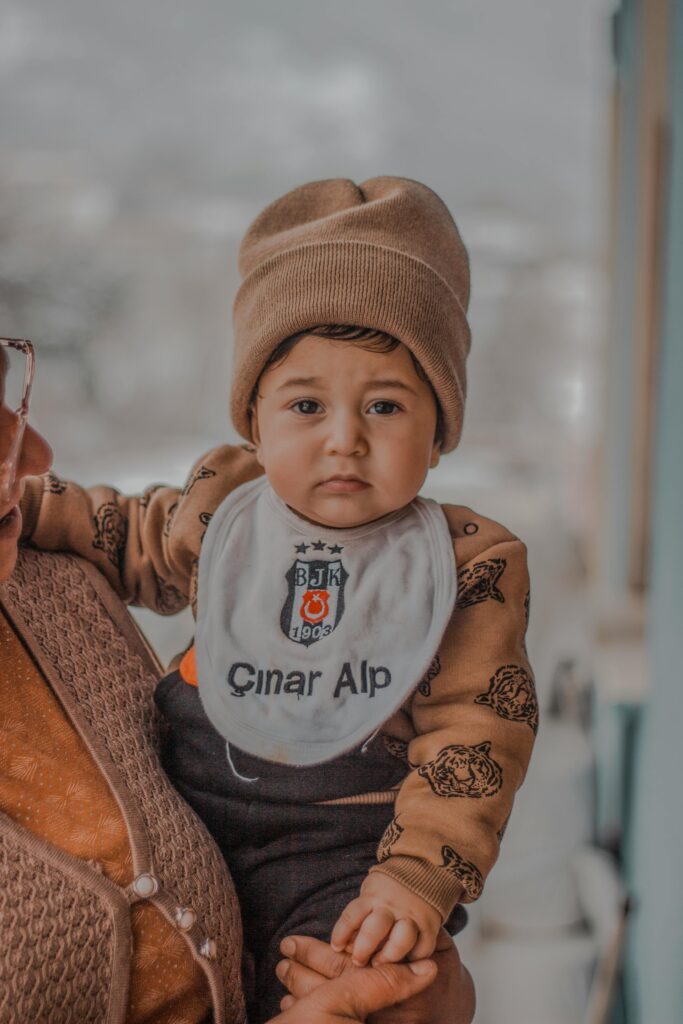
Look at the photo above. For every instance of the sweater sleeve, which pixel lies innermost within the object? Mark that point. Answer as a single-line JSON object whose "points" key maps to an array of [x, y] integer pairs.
{"points": [[146, 545], [475, 716]]}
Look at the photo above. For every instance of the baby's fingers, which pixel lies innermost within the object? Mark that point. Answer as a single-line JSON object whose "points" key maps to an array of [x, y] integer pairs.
{"points": [[350, 920], [424, 946], [402, 938], [371, 935]]}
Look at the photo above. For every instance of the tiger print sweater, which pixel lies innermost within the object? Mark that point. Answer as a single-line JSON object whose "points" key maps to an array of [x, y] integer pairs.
{"points": [[465, 733]]}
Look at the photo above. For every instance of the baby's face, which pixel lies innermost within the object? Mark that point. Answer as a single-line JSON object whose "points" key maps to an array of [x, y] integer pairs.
{"points": [[331, 409]]}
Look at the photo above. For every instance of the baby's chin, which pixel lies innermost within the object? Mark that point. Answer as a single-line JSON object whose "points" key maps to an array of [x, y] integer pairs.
{"points": [[339, 513]]}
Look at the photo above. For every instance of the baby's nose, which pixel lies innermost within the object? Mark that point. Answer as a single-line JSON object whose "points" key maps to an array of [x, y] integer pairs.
{"points": [[347, 435]]}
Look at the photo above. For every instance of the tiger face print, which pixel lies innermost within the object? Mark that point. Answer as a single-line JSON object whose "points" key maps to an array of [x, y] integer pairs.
{"points": [[467, 873], [205, 518], [166, 532], [52, 484], [397, 748], [169, 598], [425, 686], [512, 695], [147, 495], [203, 473], [460, 770], [478, 583], [111, 531], [194, 575], [389, 839]]}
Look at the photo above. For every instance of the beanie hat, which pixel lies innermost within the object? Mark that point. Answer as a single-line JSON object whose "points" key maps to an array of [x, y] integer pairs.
{"points": [[385, 254]]}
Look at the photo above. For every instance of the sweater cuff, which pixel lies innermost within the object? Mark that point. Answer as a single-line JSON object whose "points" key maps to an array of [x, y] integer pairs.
{"points": [[30, 503], [434, 885]]}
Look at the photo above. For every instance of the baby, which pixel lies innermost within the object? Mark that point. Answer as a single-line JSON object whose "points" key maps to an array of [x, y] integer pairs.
{"points": [[357, 710]]}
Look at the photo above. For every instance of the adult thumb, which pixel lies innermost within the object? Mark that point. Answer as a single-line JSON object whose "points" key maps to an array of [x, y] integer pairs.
{"points": [[370, 989]]}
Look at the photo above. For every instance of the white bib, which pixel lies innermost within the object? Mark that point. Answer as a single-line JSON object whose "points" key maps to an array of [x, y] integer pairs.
{"points": [[310, 637]]}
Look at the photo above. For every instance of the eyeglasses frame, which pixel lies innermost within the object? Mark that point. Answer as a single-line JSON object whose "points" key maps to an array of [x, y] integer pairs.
{"points": [[8, 467]]}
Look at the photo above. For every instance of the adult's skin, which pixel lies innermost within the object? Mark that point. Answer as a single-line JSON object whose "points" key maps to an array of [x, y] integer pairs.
{"points": [[450, 999], [358, 994], [323, 991], [35, 457]]}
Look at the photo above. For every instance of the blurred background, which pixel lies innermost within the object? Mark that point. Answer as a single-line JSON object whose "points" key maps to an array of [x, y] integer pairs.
{"points": [[140, 139]]}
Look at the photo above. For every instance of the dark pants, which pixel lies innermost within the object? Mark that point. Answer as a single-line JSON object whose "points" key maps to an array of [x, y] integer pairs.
{"points": [[295, 864]]}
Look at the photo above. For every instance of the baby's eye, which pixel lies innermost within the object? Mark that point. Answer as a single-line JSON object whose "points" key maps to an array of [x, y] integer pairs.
{"points": [[307, 402], [386, 407]]}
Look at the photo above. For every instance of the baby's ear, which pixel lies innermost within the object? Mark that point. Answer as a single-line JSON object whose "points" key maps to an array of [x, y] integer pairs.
{"points": [[436, 455], [255, 436]]}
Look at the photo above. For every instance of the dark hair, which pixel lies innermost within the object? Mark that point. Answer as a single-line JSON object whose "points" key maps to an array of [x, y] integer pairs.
{"points": [[367, 338]]}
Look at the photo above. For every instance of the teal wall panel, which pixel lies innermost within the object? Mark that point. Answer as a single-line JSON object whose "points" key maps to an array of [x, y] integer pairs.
{"points": [[617, 468], [655, 960]]}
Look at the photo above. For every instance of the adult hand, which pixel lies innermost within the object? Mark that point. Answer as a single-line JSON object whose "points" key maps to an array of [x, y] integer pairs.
{"points": [[356, 993], [449, 1000]]}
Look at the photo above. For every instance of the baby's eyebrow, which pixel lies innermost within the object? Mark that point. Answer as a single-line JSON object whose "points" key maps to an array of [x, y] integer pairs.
{"points": [[304, 382], [300, 382], [390, 383]]}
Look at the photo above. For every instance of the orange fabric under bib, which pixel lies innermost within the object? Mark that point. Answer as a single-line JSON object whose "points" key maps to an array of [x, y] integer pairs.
{"points": [[188, 667], [50, 785]]}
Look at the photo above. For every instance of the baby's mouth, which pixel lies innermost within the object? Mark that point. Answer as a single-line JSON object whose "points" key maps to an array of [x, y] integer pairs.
{"points": [[342, 485]]}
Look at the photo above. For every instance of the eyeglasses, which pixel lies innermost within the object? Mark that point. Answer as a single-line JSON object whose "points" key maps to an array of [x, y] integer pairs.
{"points": [[17, 366]]}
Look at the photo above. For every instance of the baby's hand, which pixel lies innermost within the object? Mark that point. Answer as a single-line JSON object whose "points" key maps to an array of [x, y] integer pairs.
{"points": [[386, 919]]}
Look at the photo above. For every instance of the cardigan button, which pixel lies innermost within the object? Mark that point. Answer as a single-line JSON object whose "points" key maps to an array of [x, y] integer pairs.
{"points": [[185, 918], [145, 885], [208, 949]]}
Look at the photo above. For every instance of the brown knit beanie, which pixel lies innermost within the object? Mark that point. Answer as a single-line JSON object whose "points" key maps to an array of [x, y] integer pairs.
{"points": [[385, 254]]}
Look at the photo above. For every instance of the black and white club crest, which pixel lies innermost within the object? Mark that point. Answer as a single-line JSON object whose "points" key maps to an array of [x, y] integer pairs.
{"points": [[315, 600]]}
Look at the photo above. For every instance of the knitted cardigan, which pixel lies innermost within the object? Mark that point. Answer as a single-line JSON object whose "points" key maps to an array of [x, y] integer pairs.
{"points": [[66, 935]]}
